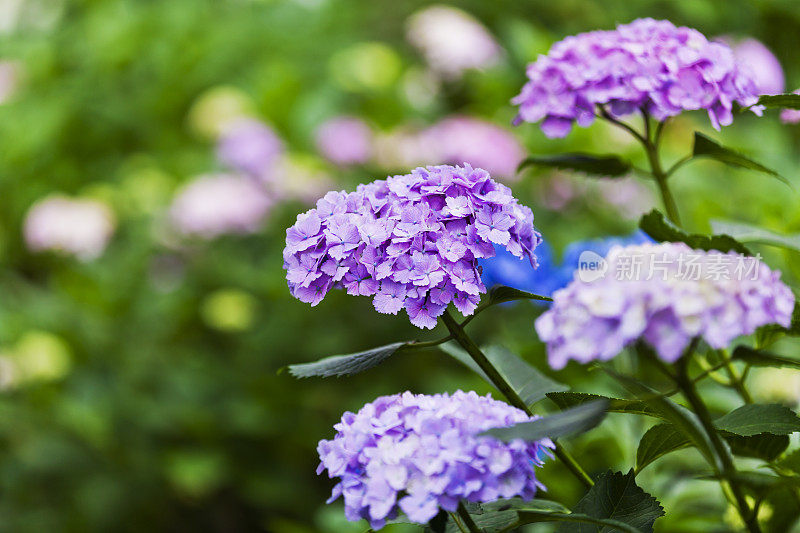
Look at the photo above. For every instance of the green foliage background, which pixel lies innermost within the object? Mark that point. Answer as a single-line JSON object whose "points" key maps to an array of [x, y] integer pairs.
{"points": [[159, 417]]}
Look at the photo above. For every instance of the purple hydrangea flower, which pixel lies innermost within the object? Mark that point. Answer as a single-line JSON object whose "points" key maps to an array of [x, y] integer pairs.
{"points": [[411, 241], [665, 294], [249, 146], [345, 140], [648, 64], [791, 116], [417, 453]]}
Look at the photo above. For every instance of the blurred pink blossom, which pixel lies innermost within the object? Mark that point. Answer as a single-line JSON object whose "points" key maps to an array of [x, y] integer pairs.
{"points": [[345, 140], [764, 67], [462, 139], [791, 116], [216, 204], [451, 40], [249, 146], [78, 227]]}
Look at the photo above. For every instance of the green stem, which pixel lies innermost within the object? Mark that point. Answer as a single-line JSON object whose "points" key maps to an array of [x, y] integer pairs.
{"points": [[737, 381], [472, 527], [508, 391], [651, 146], [729, 469]]}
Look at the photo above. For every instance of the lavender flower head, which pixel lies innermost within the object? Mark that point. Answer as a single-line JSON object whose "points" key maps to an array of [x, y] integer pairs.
{"points": [[480, 143], [451, 40], [665, 294], [648, 64], [249, 146], [411, 242], [213, 205], [791, 116], [345, 140], [73, 226], [416, 454]]}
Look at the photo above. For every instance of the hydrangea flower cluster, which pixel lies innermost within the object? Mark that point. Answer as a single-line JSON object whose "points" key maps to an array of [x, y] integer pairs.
{"points": [[650, 64], [417, 453], [505, 269], [411, 241], [666, 294]]}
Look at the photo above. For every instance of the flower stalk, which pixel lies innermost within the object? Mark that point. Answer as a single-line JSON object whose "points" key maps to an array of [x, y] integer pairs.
{"points": [[505, 388]]}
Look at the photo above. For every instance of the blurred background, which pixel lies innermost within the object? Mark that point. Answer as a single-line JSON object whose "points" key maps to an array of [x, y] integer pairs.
{"points": [[152, 155]]}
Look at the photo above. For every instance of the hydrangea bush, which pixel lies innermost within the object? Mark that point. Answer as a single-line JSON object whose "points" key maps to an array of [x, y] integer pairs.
{"points": [[677, 301]]}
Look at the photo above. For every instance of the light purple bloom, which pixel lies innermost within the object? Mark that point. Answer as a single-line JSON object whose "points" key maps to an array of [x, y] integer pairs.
{"points": [[791, 116], [416, 454], [345, 140], [665, 294], [647, 64], [250, 147], [214, 205], [411, 241]]}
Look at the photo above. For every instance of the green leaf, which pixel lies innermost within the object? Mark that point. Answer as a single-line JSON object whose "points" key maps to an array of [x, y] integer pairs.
{"points": [[680, 417], [575, 420], [615, 496], [755, 357], [785, 101], [658, 441], [609, 166], [765, 446], [501, 515], [707, 147], [346, 365], [659, 228], [500, 294], [571, 521], [748, 233], [527, 381], [790, 463], [755, 418], [615, 405]]}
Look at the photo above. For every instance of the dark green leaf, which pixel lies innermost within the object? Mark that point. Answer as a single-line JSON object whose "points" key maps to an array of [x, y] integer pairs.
{"points": [[345, 365], [763, 358], [765, 446], [658, 441], [575, 420], [438, 523], [527, 381], [500, 293], [596, 165], [501, 515], [615, 405], [680, 417], [791, 463], [766, 335], [707, 147], [786, 101], [659, 228], [755, 418], [616, 496], [572, 521], [748, 233]]}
